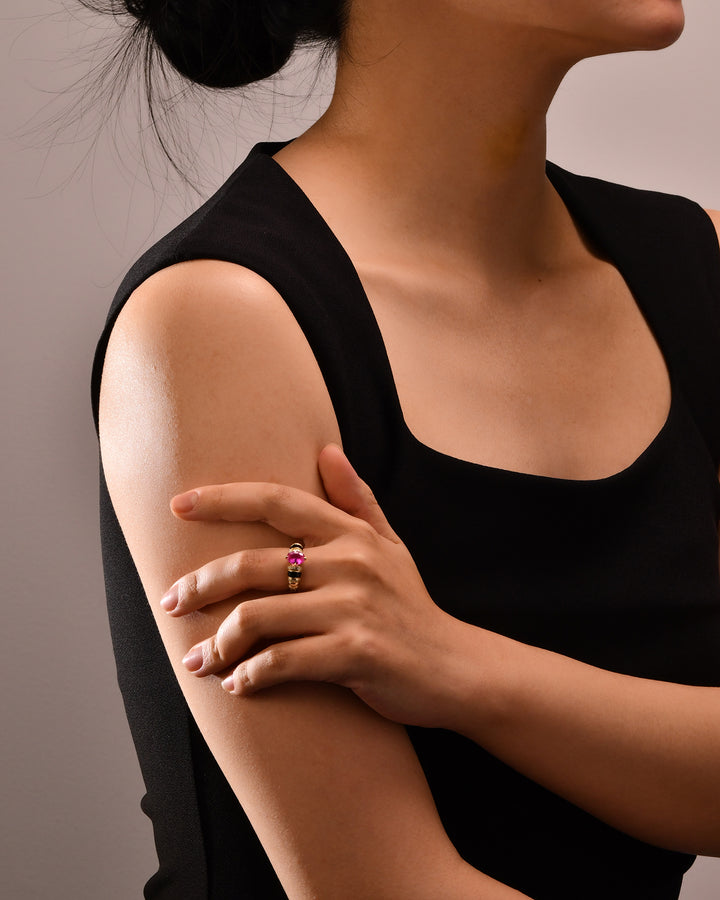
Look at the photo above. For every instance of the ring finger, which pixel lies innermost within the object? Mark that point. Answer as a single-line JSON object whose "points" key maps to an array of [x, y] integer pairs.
{"points": [[263, 569]]}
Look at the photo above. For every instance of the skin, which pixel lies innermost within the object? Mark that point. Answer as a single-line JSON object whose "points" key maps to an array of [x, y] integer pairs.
{"points": [[481, 262], [639, 754]]}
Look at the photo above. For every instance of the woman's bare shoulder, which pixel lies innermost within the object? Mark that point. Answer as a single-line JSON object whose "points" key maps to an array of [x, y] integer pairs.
{"points": [[204, 307], [213, 338], [178, 287]]}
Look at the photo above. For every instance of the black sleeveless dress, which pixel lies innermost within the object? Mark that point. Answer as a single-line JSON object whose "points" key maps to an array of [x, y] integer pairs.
{"points": [[620, 572]]}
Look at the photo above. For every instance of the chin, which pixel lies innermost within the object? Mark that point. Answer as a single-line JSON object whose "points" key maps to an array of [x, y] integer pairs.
{"points": [[666, 27], [653, 24], [636, 25]]}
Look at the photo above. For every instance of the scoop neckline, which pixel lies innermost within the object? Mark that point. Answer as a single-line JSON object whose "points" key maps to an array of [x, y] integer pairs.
{"points": [[595, 236]]}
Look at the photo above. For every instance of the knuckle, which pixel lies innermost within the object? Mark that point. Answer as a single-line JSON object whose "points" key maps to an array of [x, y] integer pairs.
{"points": [[358, 558], [189, 589], [243, 680], [235, 567], [361, 648], [277, 496], [250, 560], [242, 564], [369, 647], [212, 651], [353, 601], [368, 537], [366, 532], [274, 660], [354, 607], [244, 616], [222, 646], [360, 562]]}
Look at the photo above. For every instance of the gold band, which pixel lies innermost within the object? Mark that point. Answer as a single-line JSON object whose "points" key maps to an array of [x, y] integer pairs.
{"points": [[295, 558]]}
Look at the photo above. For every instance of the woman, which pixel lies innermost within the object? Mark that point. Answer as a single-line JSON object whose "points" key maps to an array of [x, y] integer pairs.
{"points": [[475, 655]]}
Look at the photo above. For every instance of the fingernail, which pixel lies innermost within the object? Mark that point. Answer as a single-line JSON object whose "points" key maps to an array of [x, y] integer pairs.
{"points": [[185, 502], [170, 600], [193, 659], [228, 684]]}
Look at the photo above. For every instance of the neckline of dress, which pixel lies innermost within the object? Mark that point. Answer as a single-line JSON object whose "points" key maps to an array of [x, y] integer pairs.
{"points": [[599, 238]]}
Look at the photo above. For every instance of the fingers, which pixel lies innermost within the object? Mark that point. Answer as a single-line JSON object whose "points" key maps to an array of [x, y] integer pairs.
{"points": [[304, 659], [282, 637], [220, 579], [290, 510], [348, 492], [253, 623], [287, 509]]}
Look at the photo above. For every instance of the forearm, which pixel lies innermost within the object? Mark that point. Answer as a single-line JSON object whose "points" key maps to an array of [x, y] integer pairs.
{"points": [[643, 756]]}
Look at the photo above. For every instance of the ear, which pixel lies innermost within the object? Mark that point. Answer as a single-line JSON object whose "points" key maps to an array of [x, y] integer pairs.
{"points": [[348, 492]]}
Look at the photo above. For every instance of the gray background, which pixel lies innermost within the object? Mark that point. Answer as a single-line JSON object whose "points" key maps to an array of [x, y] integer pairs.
{"points": [[72, 223]]}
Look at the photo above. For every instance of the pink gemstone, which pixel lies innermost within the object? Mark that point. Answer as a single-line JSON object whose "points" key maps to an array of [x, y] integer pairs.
{"points": [[295, 558]]}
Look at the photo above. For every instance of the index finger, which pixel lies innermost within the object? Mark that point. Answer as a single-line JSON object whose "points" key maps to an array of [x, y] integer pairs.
{"points": [[287, 509]]}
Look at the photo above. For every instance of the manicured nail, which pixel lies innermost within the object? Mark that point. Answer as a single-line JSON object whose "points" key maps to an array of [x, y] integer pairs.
{"points": [[228, 684], [170, 600], [193, 659], [183, 503]]}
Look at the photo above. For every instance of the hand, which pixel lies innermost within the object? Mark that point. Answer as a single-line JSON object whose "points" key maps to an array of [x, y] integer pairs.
{"points": [[361, 617]]}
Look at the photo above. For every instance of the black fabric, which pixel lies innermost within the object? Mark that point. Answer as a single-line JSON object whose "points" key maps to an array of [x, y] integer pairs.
{"points": [[621, 572]]}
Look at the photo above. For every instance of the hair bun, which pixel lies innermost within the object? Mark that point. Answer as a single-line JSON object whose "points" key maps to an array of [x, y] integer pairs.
{"points": [[221, 43]]}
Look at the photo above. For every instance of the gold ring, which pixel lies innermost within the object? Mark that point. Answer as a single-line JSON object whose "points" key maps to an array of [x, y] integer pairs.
{"points": [[295, 558]]}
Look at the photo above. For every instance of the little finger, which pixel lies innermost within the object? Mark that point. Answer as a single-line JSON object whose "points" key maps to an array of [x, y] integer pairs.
{"points": [[303, 659], [254, 622]]}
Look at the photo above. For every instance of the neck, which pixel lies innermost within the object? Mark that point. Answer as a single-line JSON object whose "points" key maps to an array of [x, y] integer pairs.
{"points": [[443, 122]]}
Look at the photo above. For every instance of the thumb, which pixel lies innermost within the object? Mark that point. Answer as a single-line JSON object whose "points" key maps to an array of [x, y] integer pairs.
{"points": [[348, 492]]}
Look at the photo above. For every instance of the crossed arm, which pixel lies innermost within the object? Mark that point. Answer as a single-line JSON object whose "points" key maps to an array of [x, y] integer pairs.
{"points": [[642, 755], [639, 754], [204, 371]]}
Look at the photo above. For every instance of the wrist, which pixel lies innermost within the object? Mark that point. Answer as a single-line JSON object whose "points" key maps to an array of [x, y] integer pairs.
{"points": [[479, 681]]}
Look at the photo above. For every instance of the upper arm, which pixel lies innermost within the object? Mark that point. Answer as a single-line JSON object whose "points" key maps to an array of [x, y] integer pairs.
{"points": [[208, 379]]}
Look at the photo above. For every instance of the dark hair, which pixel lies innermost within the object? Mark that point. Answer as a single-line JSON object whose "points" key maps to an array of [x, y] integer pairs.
{"points": [[232, 43], [212, 43]]}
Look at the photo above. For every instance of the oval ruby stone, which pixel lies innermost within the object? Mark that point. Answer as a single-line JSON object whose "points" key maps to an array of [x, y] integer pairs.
{"points": [[295, 558]]}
